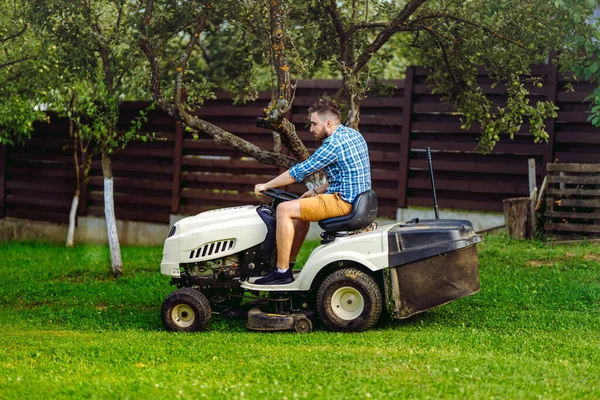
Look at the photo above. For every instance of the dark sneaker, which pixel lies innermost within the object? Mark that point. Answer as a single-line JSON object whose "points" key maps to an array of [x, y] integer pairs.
{"points": [[276, 278]]}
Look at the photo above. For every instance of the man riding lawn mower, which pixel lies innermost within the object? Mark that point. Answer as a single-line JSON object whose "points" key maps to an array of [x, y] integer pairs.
{"points": [[220, 257]]}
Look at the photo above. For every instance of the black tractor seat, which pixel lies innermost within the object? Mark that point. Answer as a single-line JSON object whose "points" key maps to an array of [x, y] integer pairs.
{"points": [[364, 212]]}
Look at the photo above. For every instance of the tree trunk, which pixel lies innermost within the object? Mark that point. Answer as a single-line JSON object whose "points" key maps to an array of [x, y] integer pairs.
{"points": [[347, 95], [109, 213], [72, 217], [517, 212], [73, 214], [353, 111]]}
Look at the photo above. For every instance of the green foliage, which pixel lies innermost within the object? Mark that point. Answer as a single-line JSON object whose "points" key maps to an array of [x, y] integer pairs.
{"points": [[505, 38], [98, 118], [453, 38], [97, 42], [234, 50], [230, 53], [72, 330], [23, 64], [581, 60], [98, 60], [17, 115]]}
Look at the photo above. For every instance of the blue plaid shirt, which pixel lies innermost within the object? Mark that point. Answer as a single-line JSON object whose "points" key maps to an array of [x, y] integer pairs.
{"points": [[345, 158]]}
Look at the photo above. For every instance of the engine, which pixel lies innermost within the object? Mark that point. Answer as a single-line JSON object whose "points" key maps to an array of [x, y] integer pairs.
{"points": [[223, 268]]}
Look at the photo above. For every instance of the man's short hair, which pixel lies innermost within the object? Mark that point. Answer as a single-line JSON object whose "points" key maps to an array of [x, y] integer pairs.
{"points": [[325, 108]]}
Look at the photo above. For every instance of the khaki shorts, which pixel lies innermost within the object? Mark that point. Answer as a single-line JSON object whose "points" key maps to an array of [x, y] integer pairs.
{"points": [[323, 206]]}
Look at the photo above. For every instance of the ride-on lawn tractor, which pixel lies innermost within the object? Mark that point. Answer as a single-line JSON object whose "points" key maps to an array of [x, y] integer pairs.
{"points": [[357, 273]]}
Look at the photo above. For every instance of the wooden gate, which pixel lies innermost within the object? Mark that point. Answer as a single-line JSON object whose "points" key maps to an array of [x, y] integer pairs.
{"points": [[573, 200]]}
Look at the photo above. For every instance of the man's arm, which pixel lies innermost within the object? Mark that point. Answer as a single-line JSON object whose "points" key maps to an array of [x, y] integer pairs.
{"points": [[322, 157], [281, 180], [323, 188]]}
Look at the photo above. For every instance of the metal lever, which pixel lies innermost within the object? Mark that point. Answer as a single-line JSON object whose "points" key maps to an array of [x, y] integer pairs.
{"points": [[435, 204]]}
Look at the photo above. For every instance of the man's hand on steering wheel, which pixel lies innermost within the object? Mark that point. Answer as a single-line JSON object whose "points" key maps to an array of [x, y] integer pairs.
{"points": [[281, 195], [259, 188]]}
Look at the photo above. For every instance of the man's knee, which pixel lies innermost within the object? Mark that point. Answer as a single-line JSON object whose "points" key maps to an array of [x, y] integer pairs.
{"points": [[289, 209]]}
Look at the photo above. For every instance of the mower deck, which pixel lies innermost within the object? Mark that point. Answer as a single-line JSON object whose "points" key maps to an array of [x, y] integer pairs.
{"points": [[262, 321]]}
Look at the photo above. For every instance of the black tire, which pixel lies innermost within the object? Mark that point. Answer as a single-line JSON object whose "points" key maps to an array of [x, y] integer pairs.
{"points": [[186, 310], [349, 300]]}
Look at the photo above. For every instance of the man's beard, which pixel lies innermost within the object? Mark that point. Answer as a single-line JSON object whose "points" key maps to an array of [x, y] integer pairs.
{"points": [[321, 136]]}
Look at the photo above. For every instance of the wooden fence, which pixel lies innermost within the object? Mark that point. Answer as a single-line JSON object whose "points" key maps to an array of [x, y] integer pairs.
{"points": [[183, 175]]}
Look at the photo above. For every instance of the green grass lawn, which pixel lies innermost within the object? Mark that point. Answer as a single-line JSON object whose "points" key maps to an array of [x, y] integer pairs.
{"points": [[71, 330]]}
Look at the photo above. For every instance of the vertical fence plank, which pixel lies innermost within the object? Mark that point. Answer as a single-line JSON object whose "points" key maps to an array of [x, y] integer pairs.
{"points": [[551, 90], [177, 164], [2, 180], [405, 139]]}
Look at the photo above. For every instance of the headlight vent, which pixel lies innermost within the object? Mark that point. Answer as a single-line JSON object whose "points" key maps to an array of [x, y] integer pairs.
{"points": [[212, 249], [172, 232]]}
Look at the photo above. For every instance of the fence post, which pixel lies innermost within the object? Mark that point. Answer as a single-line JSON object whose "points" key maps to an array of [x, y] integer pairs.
{"points": [[2, 180], [177, 164], [405, 136], [551, 94]]}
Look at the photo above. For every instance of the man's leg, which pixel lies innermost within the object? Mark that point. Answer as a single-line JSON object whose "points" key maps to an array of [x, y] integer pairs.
{"points": [[292, 229], [301, 228], [287, 212]]}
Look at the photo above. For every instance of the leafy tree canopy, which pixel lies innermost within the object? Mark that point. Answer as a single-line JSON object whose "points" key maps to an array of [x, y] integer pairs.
{"points": [[196, 45], [97, 59], [24, 62]]}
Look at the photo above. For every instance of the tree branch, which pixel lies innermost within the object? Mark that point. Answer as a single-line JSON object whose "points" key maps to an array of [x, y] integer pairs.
{"points": [[179, 112], [183, 62], [19, 33], [282, 69], [9, 63], [395, 26], [372, 25], [205, 53], [119, 15], [154, 60], [148, 11], [435, 37], [332, 10], [282, 97], [228, 139], [102, 46], [467, 22]]}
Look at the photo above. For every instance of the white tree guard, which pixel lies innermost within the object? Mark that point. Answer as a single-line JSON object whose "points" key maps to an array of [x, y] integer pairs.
{"points": [[72, 215], [111, 226]]}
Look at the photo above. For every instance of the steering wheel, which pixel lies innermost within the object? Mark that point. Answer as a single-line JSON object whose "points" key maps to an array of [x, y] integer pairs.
{"points": [[280, 194]]}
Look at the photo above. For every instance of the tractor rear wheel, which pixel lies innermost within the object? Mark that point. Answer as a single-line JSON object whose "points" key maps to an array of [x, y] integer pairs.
{"points": [[349, 300], [186, 310]]}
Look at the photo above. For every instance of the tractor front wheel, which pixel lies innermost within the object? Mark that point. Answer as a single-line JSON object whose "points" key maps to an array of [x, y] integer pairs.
{"points": [[349, 300], [186, 310]]}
